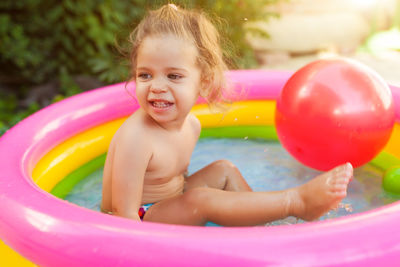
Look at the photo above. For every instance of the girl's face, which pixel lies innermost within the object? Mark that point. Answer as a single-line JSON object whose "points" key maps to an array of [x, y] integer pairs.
{"points": [[167, 78]]}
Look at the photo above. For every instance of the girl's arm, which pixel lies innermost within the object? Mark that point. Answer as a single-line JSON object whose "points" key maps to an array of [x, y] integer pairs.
{"points": [[131, 158]]}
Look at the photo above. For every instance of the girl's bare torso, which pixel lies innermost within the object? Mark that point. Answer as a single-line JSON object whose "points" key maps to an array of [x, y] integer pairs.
{"points": [[164, 176]]}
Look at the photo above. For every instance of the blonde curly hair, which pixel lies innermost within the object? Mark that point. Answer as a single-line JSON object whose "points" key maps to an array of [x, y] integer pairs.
{"points": [[191, 25]]}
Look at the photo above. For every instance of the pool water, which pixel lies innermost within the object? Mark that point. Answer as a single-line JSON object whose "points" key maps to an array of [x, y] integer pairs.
{"points": [[267, 167]]}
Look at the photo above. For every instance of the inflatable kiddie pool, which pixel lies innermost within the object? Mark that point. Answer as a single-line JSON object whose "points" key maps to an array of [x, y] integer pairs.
{"points": [[40, 151]]}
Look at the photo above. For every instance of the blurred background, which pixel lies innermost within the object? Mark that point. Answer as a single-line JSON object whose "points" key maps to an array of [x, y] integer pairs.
{"points": [[52, 49]]}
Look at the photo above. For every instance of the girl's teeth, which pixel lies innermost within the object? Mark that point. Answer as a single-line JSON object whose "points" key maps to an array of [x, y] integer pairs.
{"points": [[161, 104]]}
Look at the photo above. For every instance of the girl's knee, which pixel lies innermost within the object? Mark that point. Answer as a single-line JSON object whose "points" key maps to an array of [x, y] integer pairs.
{"points": [[231, 176], [225, 165]]}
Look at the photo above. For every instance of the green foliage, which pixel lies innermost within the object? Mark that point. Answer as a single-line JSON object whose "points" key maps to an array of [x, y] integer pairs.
{"points": [[43, 39], [9, 113], [54, 40]]}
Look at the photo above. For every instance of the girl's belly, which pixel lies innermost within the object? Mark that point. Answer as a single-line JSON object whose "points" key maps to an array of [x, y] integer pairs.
{"points": [[156, 192]]}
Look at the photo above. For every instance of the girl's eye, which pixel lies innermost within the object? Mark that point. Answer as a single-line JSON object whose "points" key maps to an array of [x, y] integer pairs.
{"points": [[144, 76], [174, 76]]}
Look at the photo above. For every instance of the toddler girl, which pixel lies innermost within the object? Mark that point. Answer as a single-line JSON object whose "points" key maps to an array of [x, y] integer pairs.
{"points": [[175, 59]]}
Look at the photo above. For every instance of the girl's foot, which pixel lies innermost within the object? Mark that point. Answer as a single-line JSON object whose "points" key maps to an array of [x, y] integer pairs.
{"points": [[323, 193]]}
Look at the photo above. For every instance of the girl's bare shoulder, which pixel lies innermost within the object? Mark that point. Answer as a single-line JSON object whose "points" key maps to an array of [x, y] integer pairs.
{"points": [[133, 130], [195, 123]]}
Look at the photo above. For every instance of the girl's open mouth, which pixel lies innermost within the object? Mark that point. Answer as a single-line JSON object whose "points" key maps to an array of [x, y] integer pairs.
{"points": [[161, 104]]}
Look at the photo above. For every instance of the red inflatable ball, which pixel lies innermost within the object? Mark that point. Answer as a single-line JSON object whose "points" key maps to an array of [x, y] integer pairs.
{"points": [[334, 111]]}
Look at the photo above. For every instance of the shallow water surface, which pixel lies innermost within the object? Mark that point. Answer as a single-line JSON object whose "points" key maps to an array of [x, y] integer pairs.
{"points": [[266, 167]]}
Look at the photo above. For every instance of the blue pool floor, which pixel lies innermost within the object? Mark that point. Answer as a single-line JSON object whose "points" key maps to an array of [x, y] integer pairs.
{"points": [[267, 167]]}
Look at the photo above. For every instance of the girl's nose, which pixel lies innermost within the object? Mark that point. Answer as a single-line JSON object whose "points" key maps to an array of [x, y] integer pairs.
{"points": [[158, 87]]}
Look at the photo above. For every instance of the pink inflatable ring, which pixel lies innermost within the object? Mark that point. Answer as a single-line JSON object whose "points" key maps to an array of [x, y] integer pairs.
{"points": [[52, 232]]}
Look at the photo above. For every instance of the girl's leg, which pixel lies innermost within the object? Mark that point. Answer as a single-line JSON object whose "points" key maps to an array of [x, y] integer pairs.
{"points": [[309, 201], [221, 174]]}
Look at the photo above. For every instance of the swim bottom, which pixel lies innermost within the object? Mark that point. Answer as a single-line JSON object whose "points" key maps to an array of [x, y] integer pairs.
{"points": [[143, 209]]}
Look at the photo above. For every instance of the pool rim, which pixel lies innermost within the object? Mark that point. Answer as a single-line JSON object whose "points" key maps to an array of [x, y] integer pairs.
{"points": [[26, 214]]}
